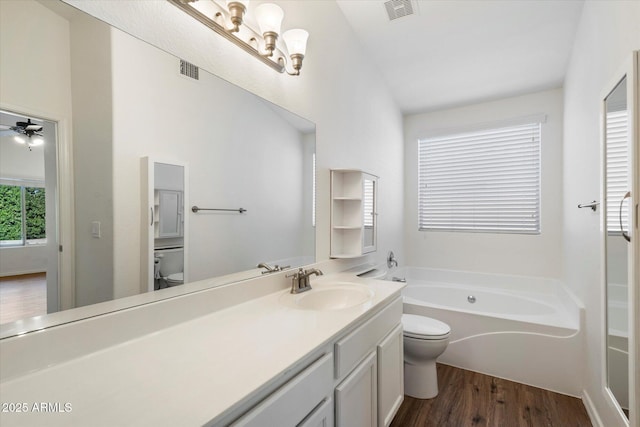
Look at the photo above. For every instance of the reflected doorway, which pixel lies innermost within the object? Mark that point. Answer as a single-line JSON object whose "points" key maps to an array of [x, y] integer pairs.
{"points": [[28, 224]]}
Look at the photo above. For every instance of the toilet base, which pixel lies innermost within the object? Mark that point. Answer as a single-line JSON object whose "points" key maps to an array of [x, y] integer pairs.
{"points": [[421, 381]]}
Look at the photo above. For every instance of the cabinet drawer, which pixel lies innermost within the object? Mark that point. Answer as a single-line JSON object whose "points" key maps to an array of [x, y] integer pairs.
{"points": [[353, 348], [296, 399], [322, 416]]}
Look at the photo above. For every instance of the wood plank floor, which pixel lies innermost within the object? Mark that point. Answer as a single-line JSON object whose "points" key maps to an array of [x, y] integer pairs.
{"points": [[22, 297], [468, 398]]}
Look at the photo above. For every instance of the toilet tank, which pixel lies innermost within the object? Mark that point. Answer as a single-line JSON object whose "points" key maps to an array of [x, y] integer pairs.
{"points": [[171, 260]]}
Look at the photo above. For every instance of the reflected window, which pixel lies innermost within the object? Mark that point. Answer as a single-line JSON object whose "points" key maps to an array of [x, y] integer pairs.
{"points": [[22, 215], [617, 175]]}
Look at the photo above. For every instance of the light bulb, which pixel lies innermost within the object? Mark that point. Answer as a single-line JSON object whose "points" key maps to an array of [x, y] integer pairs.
{"points": [[19, 139], [296, 41], [269, 17], [36, 141]]}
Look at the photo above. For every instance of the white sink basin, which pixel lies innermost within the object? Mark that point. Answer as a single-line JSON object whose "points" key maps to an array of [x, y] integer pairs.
{"points": [[330, 297]]}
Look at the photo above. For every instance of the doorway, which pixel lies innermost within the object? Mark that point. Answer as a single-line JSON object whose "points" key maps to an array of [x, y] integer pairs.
{"points": [[29, 256]]}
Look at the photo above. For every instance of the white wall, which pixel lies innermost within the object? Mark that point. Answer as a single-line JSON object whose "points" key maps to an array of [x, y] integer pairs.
{"points": [[531, 255], [22, 90], [607, 34], [358, 123], [21, 87], [93, 159]]}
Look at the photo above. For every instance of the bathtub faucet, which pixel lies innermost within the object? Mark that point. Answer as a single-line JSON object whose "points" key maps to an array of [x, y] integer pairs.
{"points": [[391, 260]]}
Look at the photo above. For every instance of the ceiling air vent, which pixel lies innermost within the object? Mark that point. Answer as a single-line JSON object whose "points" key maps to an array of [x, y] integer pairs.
{"points": [[188, 69], [398, 8]]}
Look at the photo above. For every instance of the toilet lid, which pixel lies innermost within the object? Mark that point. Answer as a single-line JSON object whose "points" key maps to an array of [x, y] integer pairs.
{"points": [[176, 277], [424, 327]]}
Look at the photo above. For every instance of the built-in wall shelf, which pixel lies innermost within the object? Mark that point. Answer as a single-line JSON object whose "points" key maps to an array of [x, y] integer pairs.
{"points": [[353, 213]]}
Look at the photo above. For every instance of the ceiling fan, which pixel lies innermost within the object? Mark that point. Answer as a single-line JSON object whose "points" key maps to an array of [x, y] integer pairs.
{"points": [[32, 131]]}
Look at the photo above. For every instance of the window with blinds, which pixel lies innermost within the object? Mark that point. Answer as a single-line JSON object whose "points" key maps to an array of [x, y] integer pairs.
{"points": [[617, 175], [368, 203], [481, 181]]}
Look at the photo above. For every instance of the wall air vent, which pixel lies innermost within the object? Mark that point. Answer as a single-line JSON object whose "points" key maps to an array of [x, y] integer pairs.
{"points": [[188, 69], [398, 8]]}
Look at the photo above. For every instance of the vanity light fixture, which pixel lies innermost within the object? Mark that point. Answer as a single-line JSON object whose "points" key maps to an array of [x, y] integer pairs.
{"points": [[230, 23]]}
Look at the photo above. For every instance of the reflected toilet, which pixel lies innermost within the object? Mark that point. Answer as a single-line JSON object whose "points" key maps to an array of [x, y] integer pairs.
{"points": [[170, 266]]}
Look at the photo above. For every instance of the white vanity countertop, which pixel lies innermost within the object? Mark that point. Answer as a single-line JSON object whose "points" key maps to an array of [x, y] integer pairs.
{"points": [[187, 374]]}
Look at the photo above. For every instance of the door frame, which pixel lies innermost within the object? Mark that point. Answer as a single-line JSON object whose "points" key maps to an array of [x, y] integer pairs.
{"points": [[629, 69], [65, 200]]}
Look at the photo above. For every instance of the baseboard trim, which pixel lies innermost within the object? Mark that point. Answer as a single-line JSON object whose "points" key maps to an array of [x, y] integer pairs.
{"points": [[591, 410], [22, 273]]}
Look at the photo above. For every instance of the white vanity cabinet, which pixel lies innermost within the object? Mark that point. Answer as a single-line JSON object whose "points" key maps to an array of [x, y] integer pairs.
{"points": [[359, 384], [353, 213], [370, 359]]}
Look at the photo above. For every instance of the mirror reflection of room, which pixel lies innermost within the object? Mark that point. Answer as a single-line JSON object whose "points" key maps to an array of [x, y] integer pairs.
{"points": [[168, 225], [28, 257], [111, 117], [617, 247]]}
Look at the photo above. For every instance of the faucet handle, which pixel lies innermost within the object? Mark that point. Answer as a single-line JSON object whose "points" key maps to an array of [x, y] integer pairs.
{"points": [[297, 274]]}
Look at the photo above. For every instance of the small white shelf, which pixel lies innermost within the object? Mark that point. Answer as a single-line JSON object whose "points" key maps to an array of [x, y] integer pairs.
{"points": [[349, 236], [345, 255], [347, 198]]}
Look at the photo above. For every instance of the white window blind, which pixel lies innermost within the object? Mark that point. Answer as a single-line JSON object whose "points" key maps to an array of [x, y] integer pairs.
{"points": [[617, 175], [313, 190], [368, 203], [483, 181]]}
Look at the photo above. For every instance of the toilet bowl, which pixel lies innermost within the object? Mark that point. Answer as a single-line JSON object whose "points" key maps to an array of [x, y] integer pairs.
{"points": [[425, 339], [169, 267], [175, 279]]}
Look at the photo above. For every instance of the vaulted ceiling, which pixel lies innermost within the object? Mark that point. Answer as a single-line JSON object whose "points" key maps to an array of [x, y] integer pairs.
{"points": [[457, 52]]}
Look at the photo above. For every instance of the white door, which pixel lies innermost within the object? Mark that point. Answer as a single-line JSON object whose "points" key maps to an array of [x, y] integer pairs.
{"points": [[621, 248]]}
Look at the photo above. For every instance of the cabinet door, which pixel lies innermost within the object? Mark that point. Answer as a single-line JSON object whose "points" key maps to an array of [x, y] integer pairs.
{"points": [[390, 376], [356, 396], [170, 213]]}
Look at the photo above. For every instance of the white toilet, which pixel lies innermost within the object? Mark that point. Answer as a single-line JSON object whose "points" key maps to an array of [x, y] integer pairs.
{"points": [[425, 339], [171, 265]]}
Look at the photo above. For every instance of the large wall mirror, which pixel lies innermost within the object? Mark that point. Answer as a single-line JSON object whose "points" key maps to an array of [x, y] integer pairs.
{"points": [[120, 100], [619, 151]]}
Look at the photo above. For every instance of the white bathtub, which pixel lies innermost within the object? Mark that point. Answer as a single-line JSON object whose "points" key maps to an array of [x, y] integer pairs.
{"points": [[524, 329]]}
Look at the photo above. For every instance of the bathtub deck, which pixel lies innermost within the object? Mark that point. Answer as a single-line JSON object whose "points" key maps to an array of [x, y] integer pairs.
{"points": [[471, 399]]}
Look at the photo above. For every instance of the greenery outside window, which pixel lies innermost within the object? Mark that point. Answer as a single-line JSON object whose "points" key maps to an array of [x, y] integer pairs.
{"points": [[22, 215]]}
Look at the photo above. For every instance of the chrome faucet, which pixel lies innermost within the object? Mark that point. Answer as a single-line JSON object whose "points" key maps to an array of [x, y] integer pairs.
{"points": [[300, 280], [391, 260], [268, 267]]}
